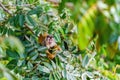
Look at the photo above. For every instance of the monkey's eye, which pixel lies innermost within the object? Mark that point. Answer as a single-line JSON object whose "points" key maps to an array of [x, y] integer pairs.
{"points": [[50, 36]]}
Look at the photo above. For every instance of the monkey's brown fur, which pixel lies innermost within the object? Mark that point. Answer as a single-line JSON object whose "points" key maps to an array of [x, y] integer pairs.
{"points": [[48, 41]]}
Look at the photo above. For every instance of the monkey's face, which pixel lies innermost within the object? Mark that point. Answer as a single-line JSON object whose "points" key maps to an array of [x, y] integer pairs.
{"points": [[49, 41]]}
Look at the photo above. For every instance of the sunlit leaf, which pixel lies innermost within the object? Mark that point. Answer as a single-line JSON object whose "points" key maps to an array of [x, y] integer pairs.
{"points": [[85, 61], [29, 20], [43, 69]]}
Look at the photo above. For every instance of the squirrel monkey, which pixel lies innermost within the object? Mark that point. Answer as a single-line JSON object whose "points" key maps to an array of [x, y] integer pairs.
{"points": [[48, 41]]}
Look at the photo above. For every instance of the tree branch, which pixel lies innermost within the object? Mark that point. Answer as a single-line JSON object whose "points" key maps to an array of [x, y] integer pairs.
{"points": [[5, 9], [28, 28]]}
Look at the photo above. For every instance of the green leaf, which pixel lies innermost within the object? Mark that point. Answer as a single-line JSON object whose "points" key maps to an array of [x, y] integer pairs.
{"points": [[30, 1], [113, 38], [54, 65], [12, 64], [35, 78], [63, 16], [64, 73], [29, 20], [57, 37], [51, 77], [7, 74], [29, 65], [12, 54], [30, 50], [2, 52], [14, 44], [43, 69], [42, 49], [85, 60], [86, 27], [38, 10], [54, 75], [57, 75], [34, 56], [21, 20], [1, 74], [48, 65], [16, 20], [11, 20]]}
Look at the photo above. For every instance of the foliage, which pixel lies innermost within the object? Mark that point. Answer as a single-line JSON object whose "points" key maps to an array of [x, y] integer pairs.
{"points": [[81, 34], [99, 19], [5, 74]]}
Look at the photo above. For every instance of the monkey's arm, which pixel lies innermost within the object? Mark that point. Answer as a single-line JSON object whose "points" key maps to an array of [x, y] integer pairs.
{"points": [[50, 55]]}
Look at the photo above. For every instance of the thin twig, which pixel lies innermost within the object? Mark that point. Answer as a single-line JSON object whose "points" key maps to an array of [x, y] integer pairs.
{"points": [[5, 9], [24, 5], [28, 28]]}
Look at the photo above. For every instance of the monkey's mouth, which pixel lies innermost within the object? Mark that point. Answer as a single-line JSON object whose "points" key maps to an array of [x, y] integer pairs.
{"points": [[50, 41]]}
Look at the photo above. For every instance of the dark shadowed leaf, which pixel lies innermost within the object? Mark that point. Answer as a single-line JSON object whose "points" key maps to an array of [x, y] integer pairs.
{"points": [[12, 54], [38, 10], [21, 20], [12, 64]]}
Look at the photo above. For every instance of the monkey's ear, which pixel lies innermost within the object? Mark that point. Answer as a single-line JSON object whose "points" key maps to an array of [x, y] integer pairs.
{"points": [[42, 37], [45, 34]]}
